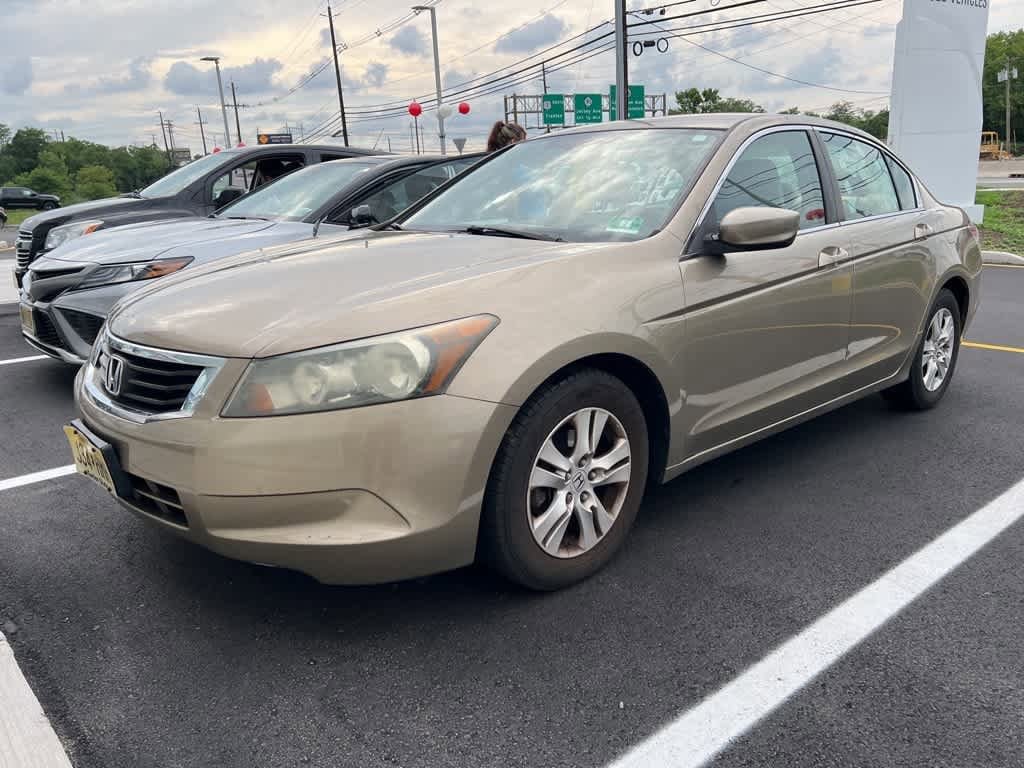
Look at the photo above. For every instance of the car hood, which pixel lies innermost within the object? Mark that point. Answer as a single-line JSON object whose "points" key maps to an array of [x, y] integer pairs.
{"points": [[313, 294], [178, 237], [79, 211]]}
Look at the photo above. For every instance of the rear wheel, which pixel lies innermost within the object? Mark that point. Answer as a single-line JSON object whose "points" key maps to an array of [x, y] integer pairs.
{"points": [[934, 360], [567, 482], [49, 206]]}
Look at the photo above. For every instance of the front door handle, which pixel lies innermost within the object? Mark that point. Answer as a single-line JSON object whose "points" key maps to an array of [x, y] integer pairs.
{"points": [[831, 256], [923, 231]]}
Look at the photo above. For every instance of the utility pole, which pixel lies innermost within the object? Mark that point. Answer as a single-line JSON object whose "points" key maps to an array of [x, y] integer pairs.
{"points": [[437, 71], [238, 125], [167, 148], [337, 74], [62, 136], [544, 81], [220, 89], [621, 51], [201, 124], [170, 135]]}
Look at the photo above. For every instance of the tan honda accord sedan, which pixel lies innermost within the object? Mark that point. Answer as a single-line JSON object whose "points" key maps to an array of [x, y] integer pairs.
{"points": [[500, 373]]}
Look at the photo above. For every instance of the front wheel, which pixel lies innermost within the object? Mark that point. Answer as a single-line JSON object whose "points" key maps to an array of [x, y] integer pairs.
{"points": [[49, 206], [567, 482], [934, 360]]}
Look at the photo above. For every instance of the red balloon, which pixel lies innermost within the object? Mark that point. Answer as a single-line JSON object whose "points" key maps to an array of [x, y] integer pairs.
{"points": [[216, 150], [241, 143], [415, 109], [463, 108]]}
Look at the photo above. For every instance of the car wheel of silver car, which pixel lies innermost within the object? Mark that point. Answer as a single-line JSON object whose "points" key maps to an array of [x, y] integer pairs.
{"points": [[935, 358], [567, 482]]}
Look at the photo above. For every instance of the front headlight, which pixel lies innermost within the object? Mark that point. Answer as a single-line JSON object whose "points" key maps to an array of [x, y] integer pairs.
{"points": [[382, 369], [126, 273], [60, 235]]}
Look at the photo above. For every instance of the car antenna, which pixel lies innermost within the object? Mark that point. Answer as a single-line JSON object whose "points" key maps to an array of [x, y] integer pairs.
{"points": [[316, 227]]}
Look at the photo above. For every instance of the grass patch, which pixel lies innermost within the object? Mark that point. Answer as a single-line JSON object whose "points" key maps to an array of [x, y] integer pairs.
{"points": [[1003, 229], [14, 218]]}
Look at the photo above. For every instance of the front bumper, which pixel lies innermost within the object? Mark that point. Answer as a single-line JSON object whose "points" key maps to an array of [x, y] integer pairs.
{"points": [[67, 325], [358, 496]]}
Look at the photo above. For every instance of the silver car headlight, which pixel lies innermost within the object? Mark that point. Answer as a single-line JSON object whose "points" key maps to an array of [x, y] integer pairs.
{"points": [[60, 235], [126, 273], [381, 369]]}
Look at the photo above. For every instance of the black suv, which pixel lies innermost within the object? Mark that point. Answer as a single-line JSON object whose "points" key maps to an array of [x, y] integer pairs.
{"points": [[196, 189], [23, 197]]}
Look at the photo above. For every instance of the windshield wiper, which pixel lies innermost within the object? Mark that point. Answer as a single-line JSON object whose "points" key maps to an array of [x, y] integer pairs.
{"points": [[244, 218], [506, 232], [387, 225]]}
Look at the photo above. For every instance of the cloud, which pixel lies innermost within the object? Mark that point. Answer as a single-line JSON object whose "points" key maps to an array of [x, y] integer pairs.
{"points": [[325, 38], [453, 77], [186, 79], [137, 79], [544, 31], [375, 75], [821, 66], [410, 41], [17, 77]]}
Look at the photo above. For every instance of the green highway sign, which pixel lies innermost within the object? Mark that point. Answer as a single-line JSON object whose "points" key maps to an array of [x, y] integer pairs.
{"points": [[588, 108], [636, 103], [553, 105]]}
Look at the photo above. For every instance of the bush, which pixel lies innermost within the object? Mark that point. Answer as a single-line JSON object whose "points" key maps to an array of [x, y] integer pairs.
{"points": [[93, 182]]}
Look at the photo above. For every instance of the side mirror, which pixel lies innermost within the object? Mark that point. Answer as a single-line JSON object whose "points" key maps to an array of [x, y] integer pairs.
{"points": [[361, 216], [227, 195], [755, 229]]}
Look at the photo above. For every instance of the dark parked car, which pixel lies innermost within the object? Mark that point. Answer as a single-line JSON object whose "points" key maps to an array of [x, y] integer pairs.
{"points": [[67, 294], [23, 197], [197, 189]]}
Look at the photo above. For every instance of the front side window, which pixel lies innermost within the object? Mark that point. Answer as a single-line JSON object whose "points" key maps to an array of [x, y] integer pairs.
{"points": [[620, 185], [295, 197], [865, 184], [256, 173], [176, 181], [775, 171], [390, 201], [904, 185]]}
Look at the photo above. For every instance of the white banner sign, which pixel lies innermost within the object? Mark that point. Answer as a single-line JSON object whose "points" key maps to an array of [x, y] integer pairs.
{"points": [[935, 122]]}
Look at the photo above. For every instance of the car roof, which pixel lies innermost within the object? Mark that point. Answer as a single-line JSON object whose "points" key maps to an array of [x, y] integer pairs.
{"points": [[333, 148]]}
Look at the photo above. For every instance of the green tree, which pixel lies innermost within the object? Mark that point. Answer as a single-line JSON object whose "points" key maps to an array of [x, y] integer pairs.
{"points": [[5, 134], [49, 181], [697, 102], [25, 147], [93, 182], [1000, 48]]}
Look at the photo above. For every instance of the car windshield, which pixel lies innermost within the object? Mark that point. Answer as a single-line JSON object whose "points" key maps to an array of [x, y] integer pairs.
{"points": [[295, 196], [585, 187], [175, 181]]}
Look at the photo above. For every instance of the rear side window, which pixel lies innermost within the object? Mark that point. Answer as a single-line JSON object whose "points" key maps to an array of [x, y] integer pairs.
{"points": [[775, 171], [865, 184], [904, 185]]}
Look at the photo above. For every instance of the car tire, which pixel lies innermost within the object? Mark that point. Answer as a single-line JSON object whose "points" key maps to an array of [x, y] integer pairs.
{"points": [[48, 206], [920, 391], [601, 508]]}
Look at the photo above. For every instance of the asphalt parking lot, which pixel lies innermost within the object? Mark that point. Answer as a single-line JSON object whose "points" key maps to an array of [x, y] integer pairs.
{"points": [[148, 651]]}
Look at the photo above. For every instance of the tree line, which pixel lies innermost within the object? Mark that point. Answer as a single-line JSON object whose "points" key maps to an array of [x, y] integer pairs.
{"points": [[75, 170]]}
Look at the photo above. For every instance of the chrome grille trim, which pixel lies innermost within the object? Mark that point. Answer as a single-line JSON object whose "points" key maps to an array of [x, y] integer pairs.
{"points": [[23, 252]]}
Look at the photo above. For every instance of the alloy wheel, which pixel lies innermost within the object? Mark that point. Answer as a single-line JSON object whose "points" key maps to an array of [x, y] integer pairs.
{"points": [[937, 352], [578, 483]]}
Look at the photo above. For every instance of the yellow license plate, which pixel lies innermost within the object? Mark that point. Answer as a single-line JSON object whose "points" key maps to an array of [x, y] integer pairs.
{"points": [[28, 320], [89, 459]]}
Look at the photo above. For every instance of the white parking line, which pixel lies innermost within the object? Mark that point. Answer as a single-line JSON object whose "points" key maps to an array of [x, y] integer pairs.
{"points": [[27, 739], [36, 477], [14, 360], [709, 727]]}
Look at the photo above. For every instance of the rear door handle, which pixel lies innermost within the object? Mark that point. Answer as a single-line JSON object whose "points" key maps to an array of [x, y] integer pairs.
{"points": [[831, 256], [923, 231]]}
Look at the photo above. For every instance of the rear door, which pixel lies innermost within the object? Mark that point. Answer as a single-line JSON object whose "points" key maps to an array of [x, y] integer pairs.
{"points": [[766, 331], [892, 267]]}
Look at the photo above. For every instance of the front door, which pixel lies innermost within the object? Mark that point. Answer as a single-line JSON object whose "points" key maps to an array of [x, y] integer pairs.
{"points": [[766, 331]]}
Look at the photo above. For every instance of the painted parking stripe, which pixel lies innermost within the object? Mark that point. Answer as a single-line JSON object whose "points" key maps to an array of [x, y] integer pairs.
{"points": [[993, 347], [702, 732], [27, 739], [1005, 266], [36, 477], [14, 360]]}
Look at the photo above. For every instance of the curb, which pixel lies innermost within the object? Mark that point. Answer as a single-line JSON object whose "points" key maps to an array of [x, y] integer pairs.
{"points": [[1001, 257]]}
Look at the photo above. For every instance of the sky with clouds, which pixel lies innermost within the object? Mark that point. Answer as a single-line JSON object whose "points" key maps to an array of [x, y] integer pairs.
{"points": [[101, 69]]}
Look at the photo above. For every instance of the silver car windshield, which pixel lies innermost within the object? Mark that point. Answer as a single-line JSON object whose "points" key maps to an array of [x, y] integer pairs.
{"points": [[585, 187], [297, 195], [175, 181]]}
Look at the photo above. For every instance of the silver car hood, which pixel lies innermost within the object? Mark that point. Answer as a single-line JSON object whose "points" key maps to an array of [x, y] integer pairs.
{"points": [[156, 239], [316, 293]]}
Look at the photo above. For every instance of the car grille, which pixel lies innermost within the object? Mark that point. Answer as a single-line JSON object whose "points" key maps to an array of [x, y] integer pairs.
{"points": [[46, 332], [149, 385], [85, 325], [23, 255], [157, 500]]}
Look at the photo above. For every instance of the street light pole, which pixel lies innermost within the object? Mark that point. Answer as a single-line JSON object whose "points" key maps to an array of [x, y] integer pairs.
{"points": [[220, 89], [238, 124], [621, 48], [437, 70]]}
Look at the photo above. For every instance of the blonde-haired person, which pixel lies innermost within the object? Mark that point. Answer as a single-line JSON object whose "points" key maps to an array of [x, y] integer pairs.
{"points": [[503, 134]]}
